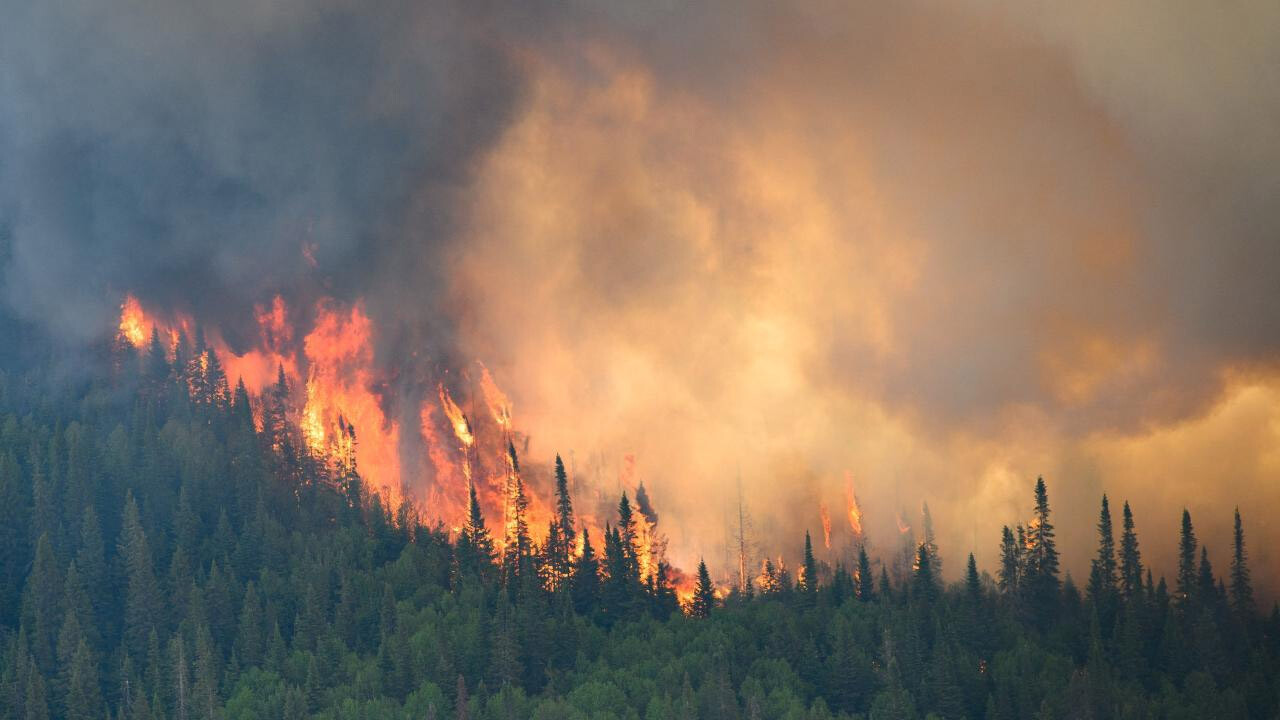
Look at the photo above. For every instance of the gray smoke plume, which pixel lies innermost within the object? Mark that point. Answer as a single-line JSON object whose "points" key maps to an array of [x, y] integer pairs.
{"points": [[935, 248]]}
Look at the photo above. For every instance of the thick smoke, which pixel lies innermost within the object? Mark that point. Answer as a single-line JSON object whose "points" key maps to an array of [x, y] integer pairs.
{"points": [[936, 248]]}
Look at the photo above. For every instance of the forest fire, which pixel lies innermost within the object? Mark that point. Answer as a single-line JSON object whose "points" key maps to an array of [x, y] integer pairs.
{"points": [[337, 399], [855, 512], [826, 526]]}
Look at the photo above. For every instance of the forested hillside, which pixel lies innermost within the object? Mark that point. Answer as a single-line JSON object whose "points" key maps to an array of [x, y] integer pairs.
{"points": [[170, 551]]}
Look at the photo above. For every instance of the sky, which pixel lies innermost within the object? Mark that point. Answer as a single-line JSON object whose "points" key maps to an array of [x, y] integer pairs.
{"points": [[928, 251]]}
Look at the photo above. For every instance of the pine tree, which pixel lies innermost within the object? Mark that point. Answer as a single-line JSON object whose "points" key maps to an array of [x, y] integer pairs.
{"points": [[1241, 587], [809, 573], [628, 536], [1102, 573], [1040, 582], [866, 583], [930, 539], [142, 600], [972, 582], [586, 578], [517, 548], [13, 538], [565, 530], [924, 586], [475, 545], [1010, 575], [1130, 559], [84, 695], [41, 603], [1206, 585], [704, 594], [1187, 576], [249, 639]]}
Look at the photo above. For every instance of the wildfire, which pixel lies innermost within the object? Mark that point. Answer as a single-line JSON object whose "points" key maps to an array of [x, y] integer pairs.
{"points": [[337, 400], [133, 322], [499, 405], [826, 526], [851, 499], [903, 526], [461, 428]]}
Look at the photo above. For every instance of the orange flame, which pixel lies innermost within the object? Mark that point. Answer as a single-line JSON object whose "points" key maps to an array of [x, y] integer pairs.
{"points": [[499, 404], [461, 428], [851, 499], [826, 526], [134, 326]]}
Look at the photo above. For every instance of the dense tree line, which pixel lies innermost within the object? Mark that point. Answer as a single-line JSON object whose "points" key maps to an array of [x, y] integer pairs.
{"points": [[167, 555]]}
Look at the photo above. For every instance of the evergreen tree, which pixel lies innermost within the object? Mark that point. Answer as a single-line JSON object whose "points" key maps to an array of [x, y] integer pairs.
{"points": [[41, 603], [1187, 576], [142, 599], [926, 521], [1102, 572], [475, 545], [1241, 587], [84, 695], [1206, 585], [972, 582], [866, 583], [809, 573], [704, 594], [517, 547], [1130, 558], [1010, 563], [586, 578], [628, 539], [1042, 559], [924, 585], [563, 530]]}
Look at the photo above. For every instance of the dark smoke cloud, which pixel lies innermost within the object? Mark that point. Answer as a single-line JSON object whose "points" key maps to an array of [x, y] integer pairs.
{"points": [[947, 246], [189, 152]]}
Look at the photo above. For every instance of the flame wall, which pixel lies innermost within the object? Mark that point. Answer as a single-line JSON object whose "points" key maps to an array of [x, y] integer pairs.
{"points": [[943, 247]]}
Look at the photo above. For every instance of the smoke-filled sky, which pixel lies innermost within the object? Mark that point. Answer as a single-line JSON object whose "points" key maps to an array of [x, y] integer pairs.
{"points": [[936, 247]]}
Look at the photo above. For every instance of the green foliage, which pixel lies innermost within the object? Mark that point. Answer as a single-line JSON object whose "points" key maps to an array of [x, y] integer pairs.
{"points": [[163, 557]]}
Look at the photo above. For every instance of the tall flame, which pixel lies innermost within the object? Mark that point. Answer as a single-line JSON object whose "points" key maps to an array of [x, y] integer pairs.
{"points": [[134, 326], [826, 526], [851, 499]]}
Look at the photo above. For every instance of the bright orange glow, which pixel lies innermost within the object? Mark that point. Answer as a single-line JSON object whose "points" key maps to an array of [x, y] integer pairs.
{"points": [[855, 512], [339, 389], [826, 526], [134, 326], [461, 428], [499, 404]]}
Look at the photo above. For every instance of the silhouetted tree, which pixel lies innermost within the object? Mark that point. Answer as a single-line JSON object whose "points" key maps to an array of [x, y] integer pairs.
{"points": [[704, 593]]}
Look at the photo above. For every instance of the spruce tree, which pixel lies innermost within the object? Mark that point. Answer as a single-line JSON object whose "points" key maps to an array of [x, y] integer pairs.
{"points": [[924, 585], [930, 539], [972, 581], [1042, 561], [1010, 574], [586, 578], [475, 544], [704, 593], [1241, 587], [866, 582], [1187, 575], [517, 547], [84, 695], [1102, 572], [1130, 558], [142, 598], [809, 576], [628, 536]]}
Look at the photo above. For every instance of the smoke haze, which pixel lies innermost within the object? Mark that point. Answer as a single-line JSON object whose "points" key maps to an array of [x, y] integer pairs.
{"points": [[936, 248]]}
